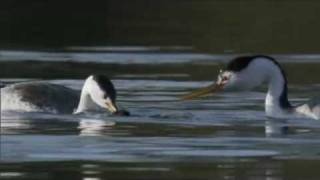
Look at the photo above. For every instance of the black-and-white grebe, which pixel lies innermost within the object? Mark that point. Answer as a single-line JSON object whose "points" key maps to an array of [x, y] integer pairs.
{"points": [[248, 72], [97, 92]]}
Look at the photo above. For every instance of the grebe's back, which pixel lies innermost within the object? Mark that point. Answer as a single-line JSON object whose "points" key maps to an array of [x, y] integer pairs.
{"points": [[39, 96]]}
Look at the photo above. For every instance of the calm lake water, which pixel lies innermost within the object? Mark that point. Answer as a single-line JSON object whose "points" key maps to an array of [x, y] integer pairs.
{"points": [[225, 136]]}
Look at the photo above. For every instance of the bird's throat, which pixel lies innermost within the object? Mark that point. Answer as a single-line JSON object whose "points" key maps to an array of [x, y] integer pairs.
{"points": [[277, 97]]}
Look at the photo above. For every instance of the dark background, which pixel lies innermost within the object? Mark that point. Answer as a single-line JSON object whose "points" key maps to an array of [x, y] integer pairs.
{"points": [[254, 26]]}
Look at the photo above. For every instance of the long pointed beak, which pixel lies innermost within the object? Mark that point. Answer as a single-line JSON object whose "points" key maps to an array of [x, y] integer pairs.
{"points": [[203, 91]]}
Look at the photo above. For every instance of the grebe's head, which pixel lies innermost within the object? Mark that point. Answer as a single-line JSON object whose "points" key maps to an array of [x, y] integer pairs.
{"points": [[103, 93], [225, 80], [242, 73]]}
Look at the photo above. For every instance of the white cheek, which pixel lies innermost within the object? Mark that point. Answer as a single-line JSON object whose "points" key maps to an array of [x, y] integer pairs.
{"points": [[97, 96], [245, 81], [237, 82], [98, 99], [231, 84]]}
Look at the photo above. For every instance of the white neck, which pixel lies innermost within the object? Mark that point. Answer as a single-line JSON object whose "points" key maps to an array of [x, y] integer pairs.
{"points": [[276, 102], [265, 70], [86, 103], [275, 89]]}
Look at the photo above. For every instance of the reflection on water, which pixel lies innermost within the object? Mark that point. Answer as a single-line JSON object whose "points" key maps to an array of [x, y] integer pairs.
{"points": [[276, 127], [226, 136], [93, 127]]}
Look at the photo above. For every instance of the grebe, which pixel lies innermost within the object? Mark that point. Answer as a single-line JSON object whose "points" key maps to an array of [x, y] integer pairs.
{"points": [[97, 92], [247, 72]]}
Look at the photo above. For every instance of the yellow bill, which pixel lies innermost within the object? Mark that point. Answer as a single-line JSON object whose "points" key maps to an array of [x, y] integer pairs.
{"points": [[202, 92], [111, 106]]}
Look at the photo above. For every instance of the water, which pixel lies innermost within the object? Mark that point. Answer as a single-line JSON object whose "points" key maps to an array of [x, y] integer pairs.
{"points": [[226, 136]]}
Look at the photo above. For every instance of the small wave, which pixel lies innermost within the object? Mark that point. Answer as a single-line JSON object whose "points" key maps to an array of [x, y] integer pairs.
{"points": [[12, 101], [128, 48], [110, 57]]}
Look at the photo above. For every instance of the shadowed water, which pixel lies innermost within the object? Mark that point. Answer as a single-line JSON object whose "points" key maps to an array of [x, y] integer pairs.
{"points": [[225, 136]]}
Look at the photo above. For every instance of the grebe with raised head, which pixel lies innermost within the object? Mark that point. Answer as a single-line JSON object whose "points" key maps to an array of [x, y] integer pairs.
{"points": [[248, 72], [97, 93]]}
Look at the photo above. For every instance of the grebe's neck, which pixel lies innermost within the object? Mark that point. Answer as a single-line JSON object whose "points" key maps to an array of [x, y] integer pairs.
{"points": [[276, 103], [86, 102], [252, 71]]}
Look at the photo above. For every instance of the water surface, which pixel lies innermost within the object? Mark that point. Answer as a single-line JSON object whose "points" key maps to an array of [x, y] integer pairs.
{"points": [[225, 136]]}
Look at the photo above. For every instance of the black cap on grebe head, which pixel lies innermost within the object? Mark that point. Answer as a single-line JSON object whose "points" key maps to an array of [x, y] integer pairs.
{"points": [[109, 91], [240, 63], [106, 85]]}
